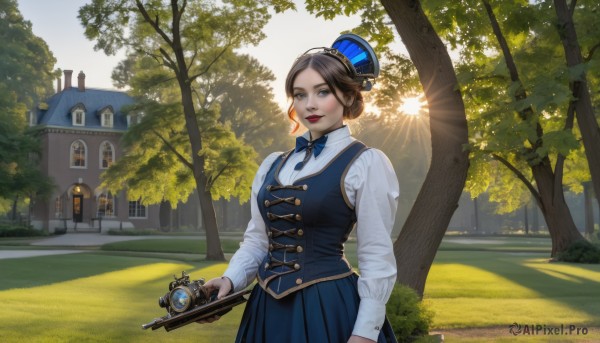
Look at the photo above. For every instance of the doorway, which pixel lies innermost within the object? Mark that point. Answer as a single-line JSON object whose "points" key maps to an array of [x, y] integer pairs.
{"points": [[78, 208]]}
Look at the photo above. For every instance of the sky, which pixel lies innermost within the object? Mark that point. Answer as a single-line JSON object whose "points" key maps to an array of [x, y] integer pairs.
{"points": [[288, 35]]}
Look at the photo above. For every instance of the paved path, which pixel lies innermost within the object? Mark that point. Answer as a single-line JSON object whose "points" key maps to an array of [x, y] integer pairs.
{"points": [[6, 254]]}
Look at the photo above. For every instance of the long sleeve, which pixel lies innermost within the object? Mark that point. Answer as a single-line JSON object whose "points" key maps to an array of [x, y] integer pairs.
{"points": [[244, 263], [372, 185]]}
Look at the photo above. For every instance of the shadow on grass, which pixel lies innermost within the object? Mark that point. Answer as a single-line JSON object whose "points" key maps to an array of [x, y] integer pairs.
{"points": [[45, 270], [576, 286]]}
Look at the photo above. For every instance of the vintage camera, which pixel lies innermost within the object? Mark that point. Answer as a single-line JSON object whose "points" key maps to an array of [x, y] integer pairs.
{"points": [[184, 295], [189, 301]]}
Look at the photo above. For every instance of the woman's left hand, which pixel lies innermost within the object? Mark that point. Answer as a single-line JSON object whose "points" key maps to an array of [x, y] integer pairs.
{"points": [[359, 339]]}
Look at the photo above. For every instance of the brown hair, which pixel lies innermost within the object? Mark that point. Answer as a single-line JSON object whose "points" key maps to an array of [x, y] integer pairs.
{"points": [[335, 75]]}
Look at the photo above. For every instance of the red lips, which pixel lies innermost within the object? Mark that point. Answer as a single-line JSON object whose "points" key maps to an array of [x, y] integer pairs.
{"points": [[313, 118]]}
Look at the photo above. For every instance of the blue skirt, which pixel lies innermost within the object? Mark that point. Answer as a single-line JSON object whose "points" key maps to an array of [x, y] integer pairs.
{"points": [[323, 312]]}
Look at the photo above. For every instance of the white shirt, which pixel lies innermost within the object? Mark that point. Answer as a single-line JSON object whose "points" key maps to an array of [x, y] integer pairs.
{"points": [[372, 187]]}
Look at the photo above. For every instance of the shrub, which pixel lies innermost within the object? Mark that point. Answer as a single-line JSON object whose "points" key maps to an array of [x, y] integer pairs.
{"points": [[19, 231], [581, 251], [133, 232], [407, 314]]}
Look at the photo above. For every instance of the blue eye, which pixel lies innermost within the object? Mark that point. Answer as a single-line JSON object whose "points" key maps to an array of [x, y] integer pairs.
{"points": [[324, 92]]}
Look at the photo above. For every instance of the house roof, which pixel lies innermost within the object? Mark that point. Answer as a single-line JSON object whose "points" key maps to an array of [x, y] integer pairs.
{"points": [[93, 100]]}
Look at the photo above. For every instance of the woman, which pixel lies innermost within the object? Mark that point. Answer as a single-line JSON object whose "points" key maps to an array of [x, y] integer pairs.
{"points": [[304, 205]]}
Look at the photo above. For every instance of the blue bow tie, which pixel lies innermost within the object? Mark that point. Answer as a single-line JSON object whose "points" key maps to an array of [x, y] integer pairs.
{"points": [[311, 147]]}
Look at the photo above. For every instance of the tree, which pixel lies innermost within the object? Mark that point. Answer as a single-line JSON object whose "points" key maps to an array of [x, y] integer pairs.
{"points": [[186, 39], [26, 73], [588, 124], [423, 230], [516, 112]]}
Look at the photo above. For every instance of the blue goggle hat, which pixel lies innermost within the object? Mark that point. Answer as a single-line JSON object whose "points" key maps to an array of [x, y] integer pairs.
{"points": [[357, 56]]}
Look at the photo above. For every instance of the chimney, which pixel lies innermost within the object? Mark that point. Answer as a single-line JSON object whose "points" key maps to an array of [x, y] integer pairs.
{"points": [[68, 74], [81, 81], [58, 82]]}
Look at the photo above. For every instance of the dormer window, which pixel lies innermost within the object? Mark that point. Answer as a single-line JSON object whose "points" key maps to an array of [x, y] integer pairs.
{"points": [[134, 118], [32, 118], [106, 116], [78, 115]]}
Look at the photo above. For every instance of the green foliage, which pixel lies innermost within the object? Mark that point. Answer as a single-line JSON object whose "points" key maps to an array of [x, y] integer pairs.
{"points": [[166, 56], [581, 251], [26, 73], [520, 120], [407, 314], [19, 231]]}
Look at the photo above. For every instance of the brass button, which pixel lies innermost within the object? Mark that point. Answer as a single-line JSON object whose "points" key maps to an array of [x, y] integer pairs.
{"points": [[269, 187], [298, 281], [297, 267], [269, 234], [304, 187], [270, 247], [267, 265], [298, 217], [267, 203], [299, 249], [298, 202], [300, 232]]}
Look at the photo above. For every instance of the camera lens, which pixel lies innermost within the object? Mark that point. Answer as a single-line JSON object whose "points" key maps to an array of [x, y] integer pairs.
{"points": [[180, 299]]}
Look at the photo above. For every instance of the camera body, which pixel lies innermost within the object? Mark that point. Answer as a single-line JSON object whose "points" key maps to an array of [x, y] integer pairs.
{"points": [[189, 301], [184, 295]]}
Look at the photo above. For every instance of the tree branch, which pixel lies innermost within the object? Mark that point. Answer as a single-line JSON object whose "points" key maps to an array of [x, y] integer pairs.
{"points": [[152, 23], [167, 61], [572, 8], [560, 160], [192, 78], [520, 176], [591, 53], [212, 180], [172, 148]]}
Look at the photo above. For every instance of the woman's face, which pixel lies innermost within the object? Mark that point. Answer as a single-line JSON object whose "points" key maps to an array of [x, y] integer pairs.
{"points": [[316, 107]]}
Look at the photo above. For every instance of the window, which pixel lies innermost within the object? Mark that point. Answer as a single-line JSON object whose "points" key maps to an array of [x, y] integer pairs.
{"points": [[78, 154], [58, 207], [78, 118], [107, 119], [106, 205], [32, 118], [137, 210], [78, 114], [107, 155], [134, 118]]}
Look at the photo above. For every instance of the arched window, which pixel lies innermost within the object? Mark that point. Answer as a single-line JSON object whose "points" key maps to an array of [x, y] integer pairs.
{"points": [[78, 154], [107, 155], [106, 205]]}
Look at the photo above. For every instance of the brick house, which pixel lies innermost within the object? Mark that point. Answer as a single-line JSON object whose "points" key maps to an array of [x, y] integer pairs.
{"points": [[80, 133]]}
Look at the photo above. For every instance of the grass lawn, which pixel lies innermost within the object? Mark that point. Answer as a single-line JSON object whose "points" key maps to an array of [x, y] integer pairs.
{"points": [[476, 292]]}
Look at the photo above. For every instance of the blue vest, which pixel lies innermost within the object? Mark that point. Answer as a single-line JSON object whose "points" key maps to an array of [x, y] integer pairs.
{"points": [[307, 223]]}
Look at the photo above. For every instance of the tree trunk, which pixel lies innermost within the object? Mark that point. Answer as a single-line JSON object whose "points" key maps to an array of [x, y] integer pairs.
{"points": [[209, 217], [13, 212], [558, 217], [586, 119], [549, 196], [526, 215], [476, 210], [588, 210], [424, 229]]}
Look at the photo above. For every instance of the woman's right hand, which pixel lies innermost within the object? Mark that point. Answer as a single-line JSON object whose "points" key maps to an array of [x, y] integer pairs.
{"points": [[224, 286]]}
